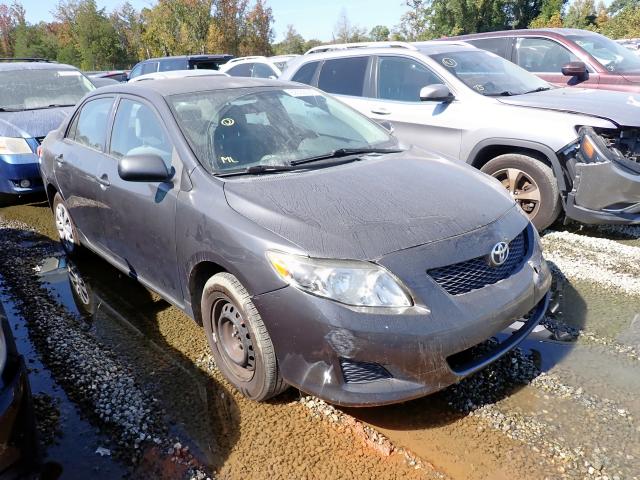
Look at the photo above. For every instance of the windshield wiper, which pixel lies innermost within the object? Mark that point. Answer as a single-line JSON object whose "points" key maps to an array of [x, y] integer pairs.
{"points": [[9, 109], [506, 93], [535, 90], [53, 105], [256, 170], [344, 152]]}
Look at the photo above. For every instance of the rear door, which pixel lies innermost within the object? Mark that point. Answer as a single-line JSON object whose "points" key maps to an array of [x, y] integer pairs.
{"points": [[431, 125], [139, 217], [76, 165], [545, 58], [349, 79]]}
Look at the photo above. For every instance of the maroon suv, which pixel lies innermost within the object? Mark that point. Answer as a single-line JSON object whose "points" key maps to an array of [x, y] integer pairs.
{"points": [[565, 56]]}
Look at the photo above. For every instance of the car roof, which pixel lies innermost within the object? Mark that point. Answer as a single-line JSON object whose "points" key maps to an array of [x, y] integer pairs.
{"points": [[177, 74], [175, 86], [216, 56], [7, 66], [528, 32]]}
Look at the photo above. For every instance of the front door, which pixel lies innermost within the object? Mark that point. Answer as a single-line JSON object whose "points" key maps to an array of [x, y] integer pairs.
{"points": [[545, 58], [139, 217]]}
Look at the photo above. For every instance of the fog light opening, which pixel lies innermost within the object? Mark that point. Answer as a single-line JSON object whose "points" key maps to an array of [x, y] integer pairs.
{"points": [[25, 183]]}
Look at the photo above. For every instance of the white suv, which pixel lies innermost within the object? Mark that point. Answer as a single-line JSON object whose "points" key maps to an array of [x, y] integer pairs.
{"points": [[257, 66]]}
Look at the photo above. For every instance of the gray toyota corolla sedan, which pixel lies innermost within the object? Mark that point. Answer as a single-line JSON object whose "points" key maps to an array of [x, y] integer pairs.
{"points": [[315, 251]]}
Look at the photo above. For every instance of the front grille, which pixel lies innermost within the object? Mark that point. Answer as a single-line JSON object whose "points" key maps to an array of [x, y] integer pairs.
{"points": [[362, 372], [476, 273]]}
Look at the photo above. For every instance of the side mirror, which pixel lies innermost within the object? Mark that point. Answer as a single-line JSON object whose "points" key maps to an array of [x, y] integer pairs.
{"points": [[574, 69], [437, 92], [143, 168]]}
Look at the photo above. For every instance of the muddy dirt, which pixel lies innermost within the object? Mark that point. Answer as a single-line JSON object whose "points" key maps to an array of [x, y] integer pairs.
{"points": [[565, 405]]}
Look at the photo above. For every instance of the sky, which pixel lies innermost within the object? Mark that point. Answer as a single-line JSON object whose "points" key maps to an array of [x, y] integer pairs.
{"points": [[311, 18]]}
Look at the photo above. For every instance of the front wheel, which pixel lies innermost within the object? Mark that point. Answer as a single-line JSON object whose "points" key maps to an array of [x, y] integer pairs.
{"points": [[239, 340], [67, 231], [532, 185]]}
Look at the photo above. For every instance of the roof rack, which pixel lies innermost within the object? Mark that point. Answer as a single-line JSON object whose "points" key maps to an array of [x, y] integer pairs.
{"points": [[254, 57], [347, 46], [8, 59]]}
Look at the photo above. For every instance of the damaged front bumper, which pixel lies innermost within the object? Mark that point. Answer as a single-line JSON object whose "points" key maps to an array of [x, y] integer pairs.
{"points": [[606, 180]]}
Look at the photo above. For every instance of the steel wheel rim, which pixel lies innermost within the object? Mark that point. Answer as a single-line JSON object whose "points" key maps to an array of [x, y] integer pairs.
{"points": [[233, 339], [64, 227], [522, 187]]}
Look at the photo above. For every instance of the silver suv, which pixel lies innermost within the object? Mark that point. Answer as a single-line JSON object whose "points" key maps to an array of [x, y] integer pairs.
{"points": [[552, 148]]}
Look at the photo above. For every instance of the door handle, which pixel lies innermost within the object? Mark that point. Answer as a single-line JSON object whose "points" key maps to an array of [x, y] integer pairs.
{"points": [[103, 180], [60, 159], [380, 111]]}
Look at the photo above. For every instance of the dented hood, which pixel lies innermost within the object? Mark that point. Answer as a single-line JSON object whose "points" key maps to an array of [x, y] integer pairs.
{"points": [[32, 123], [619, 107], [369, 208]]}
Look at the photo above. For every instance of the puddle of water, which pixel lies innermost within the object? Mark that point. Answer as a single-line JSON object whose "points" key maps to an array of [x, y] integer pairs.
{"points": [[199, 411], [74, 450]]}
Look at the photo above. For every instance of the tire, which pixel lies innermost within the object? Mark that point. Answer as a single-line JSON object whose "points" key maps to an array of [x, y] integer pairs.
{"points": [[531, 183], [239, 340], [65, 227]]}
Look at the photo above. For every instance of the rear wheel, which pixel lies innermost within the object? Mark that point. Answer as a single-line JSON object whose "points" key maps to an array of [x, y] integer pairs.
{"points": [[532, 185], [239, 340], [64, 225]]}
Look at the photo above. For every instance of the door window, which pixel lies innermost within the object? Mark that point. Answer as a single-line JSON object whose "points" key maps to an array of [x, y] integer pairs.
{"points": [[305, 73], [242, 70], [137, 131], [260, 70], [542, 55], [499, 46], [91, 126], [137, 71], [344, 76], [402, 78], [172, 64], [149, 67]]}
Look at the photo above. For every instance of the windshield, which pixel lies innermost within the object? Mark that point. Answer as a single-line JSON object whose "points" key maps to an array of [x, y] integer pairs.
{"points": [[489, 74], [232, 130], [613, 56], [31, 89]]}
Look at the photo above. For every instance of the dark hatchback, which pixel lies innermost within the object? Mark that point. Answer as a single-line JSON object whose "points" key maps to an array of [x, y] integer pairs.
{"points": [[182, 62], [35, 97], [315, 251]]}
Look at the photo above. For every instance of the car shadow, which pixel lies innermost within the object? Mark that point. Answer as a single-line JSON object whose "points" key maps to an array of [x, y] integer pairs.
{"points": [[159, 344]]}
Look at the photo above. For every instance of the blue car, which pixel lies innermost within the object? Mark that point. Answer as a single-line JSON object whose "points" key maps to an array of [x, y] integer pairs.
{"points": [[35, 96]]}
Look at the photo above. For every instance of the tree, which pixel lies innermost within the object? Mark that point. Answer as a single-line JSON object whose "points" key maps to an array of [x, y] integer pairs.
{"points": [[228, 26], [128, 25], [550, 14], [625, 24], [414, 23], [379, 33], [345, 32], [292, 43], [602, 16], [618, 6], [581, 14], [259, 32]]}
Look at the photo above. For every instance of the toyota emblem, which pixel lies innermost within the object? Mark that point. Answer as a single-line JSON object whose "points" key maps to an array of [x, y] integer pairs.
{"points": [[499, 254]]}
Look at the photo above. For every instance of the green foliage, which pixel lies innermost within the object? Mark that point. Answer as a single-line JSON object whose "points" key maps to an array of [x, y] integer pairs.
{"points": [[380, 33], [625, 24], [293, 42], [581, 14]]}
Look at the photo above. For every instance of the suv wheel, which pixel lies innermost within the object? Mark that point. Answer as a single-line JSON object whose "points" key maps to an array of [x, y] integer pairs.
{"points": [[532, 185], [65, 226], [241, 346]]}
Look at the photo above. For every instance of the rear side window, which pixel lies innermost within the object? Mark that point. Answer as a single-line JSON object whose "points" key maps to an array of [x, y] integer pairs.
{"points": [[137, 131], [344, 76], [402, 79], [260, 70], [243, 70], [91, 126], [173, 64], [542, 55], [499, 46], [305, 73], [149, 67]]}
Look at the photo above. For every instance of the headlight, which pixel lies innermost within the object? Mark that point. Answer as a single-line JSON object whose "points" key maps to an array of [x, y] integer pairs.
{"points": [[345, 281], [14, 145]]}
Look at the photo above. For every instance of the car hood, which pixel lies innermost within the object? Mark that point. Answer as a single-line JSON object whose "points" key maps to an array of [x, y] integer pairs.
{"points": [[367, 209], [619, 107], [32, 123]]}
